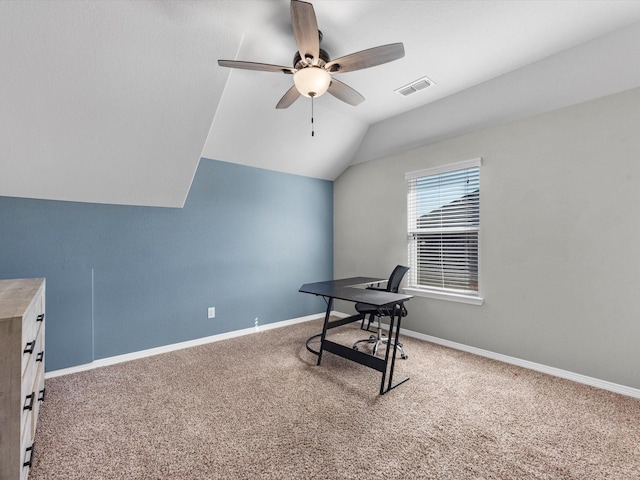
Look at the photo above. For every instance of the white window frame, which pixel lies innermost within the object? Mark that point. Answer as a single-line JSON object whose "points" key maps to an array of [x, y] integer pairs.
{"points": [[455, 295]]}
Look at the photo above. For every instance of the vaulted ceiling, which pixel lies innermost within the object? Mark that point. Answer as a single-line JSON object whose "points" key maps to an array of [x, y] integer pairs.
{"points": [[116, 101]]}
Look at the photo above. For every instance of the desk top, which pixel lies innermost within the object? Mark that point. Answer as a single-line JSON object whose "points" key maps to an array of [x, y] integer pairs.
{"points": [[346, 289]]}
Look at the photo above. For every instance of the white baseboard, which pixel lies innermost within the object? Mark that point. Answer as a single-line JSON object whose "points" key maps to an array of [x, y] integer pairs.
{"points": [[103, 362], [576, 377], [556, 372]]}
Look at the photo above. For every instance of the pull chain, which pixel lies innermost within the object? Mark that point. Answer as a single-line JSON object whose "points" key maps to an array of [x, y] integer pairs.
{"points": [[312, 130]]}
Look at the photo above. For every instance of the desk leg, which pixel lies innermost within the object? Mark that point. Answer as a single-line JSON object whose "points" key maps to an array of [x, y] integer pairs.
{"points": [[386, 357], [395, 349], [393, 359], [324, 327], [393, 337]]}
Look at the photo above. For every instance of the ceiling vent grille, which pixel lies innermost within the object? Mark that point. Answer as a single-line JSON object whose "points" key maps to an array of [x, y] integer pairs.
{"points": [[414, 87]]}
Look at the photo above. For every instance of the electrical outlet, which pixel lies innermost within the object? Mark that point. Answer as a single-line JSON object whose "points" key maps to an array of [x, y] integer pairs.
{"points": [[211, 312]]}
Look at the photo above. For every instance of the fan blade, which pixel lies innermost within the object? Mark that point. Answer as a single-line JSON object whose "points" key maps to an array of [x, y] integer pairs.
{"points": [[344, 92], [263, 67], [366, 58], [288, 98], [305, 29]]}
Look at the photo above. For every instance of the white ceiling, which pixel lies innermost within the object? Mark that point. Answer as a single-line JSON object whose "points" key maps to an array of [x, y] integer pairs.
{"points": [[116, 101]]}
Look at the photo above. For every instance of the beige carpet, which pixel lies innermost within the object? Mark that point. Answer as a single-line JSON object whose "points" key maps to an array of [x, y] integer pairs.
{"points": [[257, 407]]}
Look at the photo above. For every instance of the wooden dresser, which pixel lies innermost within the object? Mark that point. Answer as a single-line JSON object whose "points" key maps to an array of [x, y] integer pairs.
{"points": [[22, 306]]}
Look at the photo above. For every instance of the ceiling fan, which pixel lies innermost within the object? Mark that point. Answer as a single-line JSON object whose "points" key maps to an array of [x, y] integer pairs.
{"points": [[312, 69]]}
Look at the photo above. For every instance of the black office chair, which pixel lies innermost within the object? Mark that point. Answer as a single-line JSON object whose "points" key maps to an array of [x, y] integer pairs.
{"points": [[371, 311]]}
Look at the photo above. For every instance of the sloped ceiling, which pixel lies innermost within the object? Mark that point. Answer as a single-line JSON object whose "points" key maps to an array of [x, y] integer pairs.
{"points": [[116, 101]]}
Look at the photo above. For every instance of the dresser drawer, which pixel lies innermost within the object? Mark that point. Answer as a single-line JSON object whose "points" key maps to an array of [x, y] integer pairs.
{"points": [[27, 448], [31, 330], [39, 398], [33, 318]]}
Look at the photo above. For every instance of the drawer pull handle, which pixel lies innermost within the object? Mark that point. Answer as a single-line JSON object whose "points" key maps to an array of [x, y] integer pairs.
{"points": [[41, 395], [28, 401], [30, 450], [40, 318], [40, 356], [29, 347]]}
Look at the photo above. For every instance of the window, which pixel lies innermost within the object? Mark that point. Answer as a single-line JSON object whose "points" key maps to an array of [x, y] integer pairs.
{"points": [[443, 228]]}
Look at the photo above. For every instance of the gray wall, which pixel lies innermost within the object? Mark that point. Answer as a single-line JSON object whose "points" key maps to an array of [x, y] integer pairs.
{"points": [[122, 279], [560, 230]]}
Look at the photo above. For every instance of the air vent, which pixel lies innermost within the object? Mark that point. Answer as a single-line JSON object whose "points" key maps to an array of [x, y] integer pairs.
{"points": [[414, 87]]}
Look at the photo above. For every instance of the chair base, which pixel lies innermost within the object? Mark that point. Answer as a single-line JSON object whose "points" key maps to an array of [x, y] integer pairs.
{"points": [[376, 341]]}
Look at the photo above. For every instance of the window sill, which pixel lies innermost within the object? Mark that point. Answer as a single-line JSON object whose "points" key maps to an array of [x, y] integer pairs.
{"points": [[451, 297]]}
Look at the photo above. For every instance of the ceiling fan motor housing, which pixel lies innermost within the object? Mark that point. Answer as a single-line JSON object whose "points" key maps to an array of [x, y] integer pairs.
{"points": [[298, 64]]}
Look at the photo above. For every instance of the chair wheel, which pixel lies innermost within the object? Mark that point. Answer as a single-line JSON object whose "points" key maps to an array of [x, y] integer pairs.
{"points": [[404, 356], [355, 347]]}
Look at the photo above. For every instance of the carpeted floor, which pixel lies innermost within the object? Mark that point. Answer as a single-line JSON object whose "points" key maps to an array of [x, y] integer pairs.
{"points": [[257, 407]]}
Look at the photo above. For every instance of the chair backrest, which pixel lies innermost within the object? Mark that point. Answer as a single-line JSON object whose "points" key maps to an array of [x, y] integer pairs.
{"points": [[396, 277]]}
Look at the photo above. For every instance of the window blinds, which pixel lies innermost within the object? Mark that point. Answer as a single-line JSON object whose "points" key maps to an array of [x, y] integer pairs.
{"points": [[443, 226]]}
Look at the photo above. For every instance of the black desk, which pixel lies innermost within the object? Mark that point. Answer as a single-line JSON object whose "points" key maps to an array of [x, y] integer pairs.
{"points": [[347, 289]]}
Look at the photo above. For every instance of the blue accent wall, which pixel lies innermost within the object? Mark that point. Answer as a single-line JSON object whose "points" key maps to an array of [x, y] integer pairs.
{"points": [[122, 278]]}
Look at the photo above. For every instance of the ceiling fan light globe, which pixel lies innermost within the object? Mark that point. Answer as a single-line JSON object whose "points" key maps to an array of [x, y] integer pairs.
{"points": [[312, 81]]}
